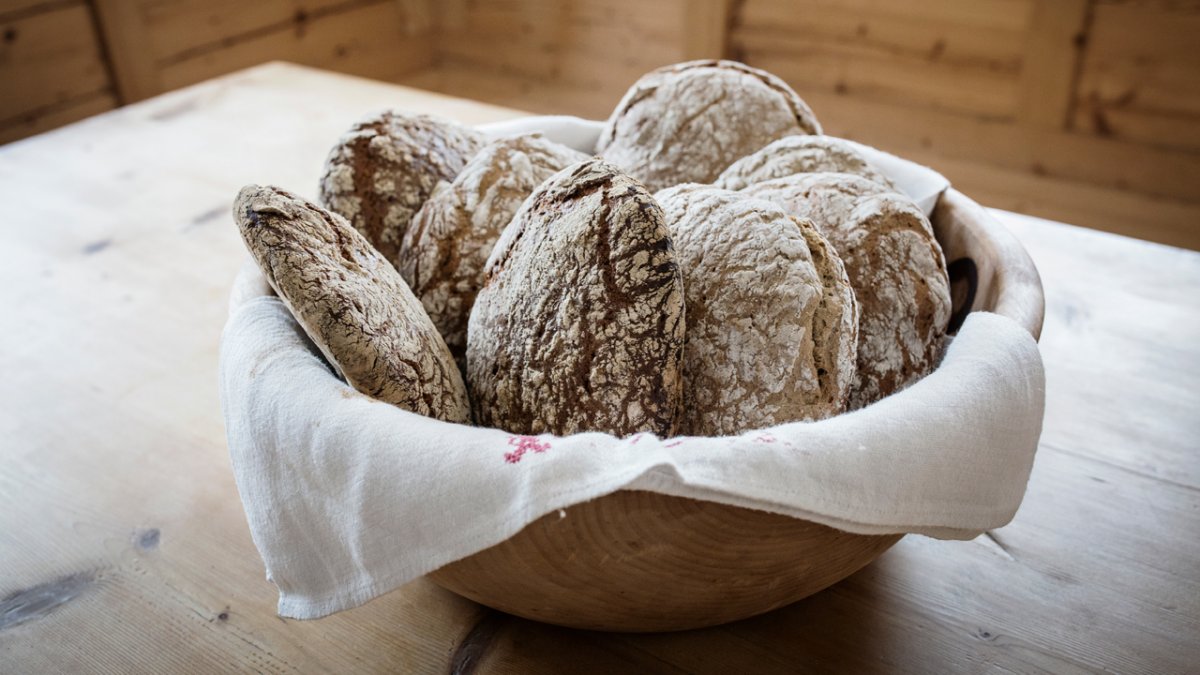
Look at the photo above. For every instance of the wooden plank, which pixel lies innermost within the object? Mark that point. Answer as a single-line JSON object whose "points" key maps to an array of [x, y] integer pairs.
{"points": [[899, 32], [1139, 79], [550, 98], [993, 14], [1039, 152], [128, 45], [365, 40], [176, 26], [705, 29], [48, 58], [1051, 62], [118, 499], [859, 74], [11, 10], [1129, 213], [54, 116]]}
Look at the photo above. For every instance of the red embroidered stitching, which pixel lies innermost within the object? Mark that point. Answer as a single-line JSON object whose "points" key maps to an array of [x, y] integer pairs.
{"points": [[524, 444]]}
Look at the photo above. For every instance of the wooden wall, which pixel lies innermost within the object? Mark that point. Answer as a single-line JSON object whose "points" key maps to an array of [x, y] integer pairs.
{"points": [[52, 68], [1086, 111], [62, 60]]}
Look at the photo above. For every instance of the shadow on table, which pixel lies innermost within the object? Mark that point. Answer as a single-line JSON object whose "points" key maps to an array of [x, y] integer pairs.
{"points": [[852, 626]]}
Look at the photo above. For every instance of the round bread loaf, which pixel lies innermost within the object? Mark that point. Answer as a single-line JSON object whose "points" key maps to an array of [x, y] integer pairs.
{"points": [[772, 325], [686, 123], [383, 169], [448, 243], [800, 154], [351, 302], [895, 266], [579, 325]]}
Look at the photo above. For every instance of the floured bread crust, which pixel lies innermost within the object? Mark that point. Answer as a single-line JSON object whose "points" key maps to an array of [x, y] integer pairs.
{"points": [[580, 323], [445, 248], [351, 302], [686, 123], [895, 266], [771, 319], [800, 154], [383, 169]]}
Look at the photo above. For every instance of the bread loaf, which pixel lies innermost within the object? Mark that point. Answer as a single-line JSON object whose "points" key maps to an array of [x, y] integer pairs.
{"points": [[895, 266], [772, 324], [351, 302], [383, 169], [579, 325], [448, 243], [800, 154], [686, 123]]}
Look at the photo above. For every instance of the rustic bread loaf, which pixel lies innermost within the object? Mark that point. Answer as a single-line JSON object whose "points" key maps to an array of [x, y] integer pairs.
{"points": [[383, 169], [351, 302], [579, 325], [800, 154], [895, 266], [772, 326], [448, 243], [686, 123]]}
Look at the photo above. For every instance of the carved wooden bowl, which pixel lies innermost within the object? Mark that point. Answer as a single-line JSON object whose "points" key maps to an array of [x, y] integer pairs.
{"points": [[642, 561]]}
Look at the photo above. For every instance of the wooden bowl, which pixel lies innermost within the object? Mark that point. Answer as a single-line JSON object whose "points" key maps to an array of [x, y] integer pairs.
{"points": [[642, 561]]}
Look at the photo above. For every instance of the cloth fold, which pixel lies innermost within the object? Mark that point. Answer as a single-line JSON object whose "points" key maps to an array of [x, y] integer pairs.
{"points": [[348, 498]]}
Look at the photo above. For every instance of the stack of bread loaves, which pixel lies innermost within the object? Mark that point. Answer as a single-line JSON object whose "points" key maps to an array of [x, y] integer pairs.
{"points": [[719, 266]]}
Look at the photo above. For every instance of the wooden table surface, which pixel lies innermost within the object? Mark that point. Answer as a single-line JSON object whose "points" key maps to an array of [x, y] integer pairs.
{"points": [[123, 546]]}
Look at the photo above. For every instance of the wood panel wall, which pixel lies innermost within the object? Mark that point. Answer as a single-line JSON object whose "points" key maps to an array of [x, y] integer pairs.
{"points": [[52, 68], [1086, 111], [62, 60]]}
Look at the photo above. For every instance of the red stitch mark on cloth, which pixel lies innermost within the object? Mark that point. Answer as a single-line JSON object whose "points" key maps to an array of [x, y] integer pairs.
{"points": [[673, 444], [633, 440], [524, 444], [764, 438]]}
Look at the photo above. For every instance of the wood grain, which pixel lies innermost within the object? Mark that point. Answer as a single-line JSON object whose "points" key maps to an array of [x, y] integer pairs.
{"points": [[116, 265], [51, 67], [1138, 78], [1056, 35]]}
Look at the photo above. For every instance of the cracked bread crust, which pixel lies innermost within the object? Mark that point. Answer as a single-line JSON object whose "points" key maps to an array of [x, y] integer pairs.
{"points": [[800, 154], [384, 168], [449, 241], [351, 302], [686, 123], [580, 323], [895, 266], [771, 319]]}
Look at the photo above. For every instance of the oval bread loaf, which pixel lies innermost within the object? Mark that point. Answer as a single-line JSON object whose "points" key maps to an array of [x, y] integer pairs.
{"points": [[580, 324], [895, 266], [686, 123], [772, 325], [800, 154], [351, 302], [451, 237], [383, 169]]}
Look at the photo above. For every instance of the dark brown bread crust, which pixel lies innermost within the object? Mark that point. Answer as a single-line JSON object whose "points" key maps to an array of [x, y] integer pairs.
{"points": [[580, 326], [383, 169], [351, 302], [686, 123], [450, 239]]}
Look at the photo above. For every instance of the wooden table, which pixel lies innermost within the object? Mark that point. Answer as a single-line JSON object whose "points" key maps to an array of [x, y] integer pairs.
{"points": [[123, 546]]}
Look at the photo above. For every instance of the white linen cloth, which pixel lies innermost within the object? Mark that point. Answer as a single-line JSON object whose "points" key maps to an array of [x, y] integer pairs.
{"points": [[348, 498]]}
